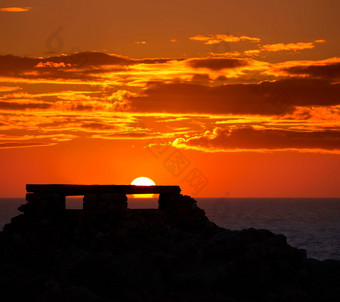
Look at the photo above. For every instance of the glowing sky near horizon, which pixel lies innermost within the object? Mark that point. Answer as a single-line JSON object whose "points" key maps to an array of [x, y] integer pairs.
{"points": [[224, 98]]}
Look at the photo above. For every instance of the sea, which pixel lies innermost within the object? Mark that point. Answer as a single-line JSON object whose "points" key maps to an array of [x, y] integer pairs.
{"points": [[312, 224]]}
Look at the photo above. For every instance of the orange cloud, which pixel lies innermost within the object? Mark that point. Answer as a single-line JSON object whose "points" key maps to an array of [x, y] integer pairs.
{"points": [[9, 88], [97, 95], [52, 64], [290, 46], [10, 145], [15, 9], [248, 138], [216, 39], [252, 52]]}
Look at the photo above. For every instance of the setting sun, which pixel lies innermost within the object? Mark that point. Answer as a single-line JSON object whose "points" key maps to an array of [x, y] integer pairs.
{"points": [[143, 181]]}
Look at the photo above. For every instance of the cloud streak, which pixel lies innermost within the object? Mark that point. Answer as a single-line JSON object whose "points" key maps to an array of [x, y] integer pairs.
{"points": [[289, 46], [217, 63], [15, 9], [44, 101], [248, 138], [216, 39], [330, 71], [265, 98]]}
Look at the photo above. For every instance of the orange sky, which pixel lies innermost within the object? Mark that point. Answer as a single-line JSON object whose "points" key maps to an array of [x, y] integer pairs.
{"points": [[224, 98]]}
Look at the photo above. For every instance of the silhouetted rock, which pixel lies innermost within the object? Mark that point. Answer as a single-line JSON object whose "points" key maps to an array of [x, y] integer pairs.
{"points": [[108, 252], [42, 205]]}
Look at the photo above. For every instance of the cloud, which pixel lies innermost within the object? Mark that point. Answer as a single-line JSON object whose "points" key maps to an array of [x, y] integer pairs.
{"points": [[329, 71], [248, 138], [79, 59], [9, 88], [216, 63], [58, 125], [289, 46], [275, 47], [53, 65], [127, 135], [26, 140], [98, 126], [265, 98], [100, 68], [252, 52], [11, 145], [98, 95], [80, 67], [216, 39], [15, 9], [23, 106], [92, 58]]}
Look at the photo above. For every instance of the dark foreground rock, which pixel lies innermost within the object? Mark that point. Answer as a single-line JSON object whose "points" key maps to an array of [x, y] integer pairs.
{"points": [[171, 254]]}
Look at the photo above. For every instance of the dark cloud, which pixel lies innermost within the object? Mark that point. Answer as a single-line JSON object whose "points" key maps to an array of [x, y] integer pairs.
{"points": [[81, 107], [90, 58], [118, 135], [84, 62], [249, 138], [97, 126], [75, 59], [216, 63], [23, 106], [265, 98], [329, 71], [83, 59], [24, 67], [11, 65]]}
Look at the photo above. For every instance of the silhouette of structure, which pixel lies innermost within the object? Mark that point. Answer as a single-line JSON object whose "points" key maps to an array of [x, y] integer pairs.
{"points": [[74, 190], [50, 199], [107, 252]]}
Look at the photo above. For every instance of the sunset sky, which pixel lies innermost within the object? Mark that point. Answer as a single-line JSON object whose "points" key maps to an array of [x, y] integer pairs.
{"points": [[224, 98]]}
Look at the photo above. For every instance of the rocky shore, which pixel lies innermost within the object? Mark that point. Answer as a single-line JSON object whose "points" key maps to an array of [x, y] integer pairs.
{"points": [[107, 252]]}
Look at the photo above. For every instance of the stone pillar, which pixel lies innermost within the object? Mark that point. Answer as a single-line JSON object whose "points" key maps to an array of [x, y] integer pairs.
{"points": [[42, 205], [183, 211], [104, 203], [166, 201], [176, 202]]}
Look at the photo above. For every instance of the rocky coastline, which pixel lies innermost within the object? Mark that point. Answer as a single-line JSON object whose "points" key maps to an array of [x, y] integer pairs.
{"points": [[107, 252]]}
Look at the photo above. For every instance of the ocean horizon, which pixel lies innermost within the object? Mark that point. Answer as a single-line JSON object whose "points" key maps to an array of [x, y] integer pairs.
{"points": [[312, 224]]}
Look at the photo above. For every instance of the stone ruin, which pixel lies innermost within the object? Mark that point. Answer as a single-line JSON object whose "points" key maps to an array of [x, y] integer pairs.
{"points": [[50, 200], [107, 252]]}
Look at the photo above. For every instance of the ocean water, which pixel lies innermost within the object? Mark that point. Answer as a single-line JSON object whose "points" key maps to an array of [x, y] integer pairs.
{"points": [[312, 224]]}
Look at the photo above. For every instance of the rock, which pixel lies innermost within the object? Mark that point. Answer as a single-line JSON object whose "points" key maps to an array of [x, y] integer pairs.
{"points": [[176, 202], [79, 293], [42, 205], [108, 252]]}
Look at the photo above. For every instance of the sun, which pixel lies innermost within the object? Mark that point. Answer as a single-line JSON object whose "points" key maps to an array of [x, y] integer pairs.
{"points": [[143, 181]]}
